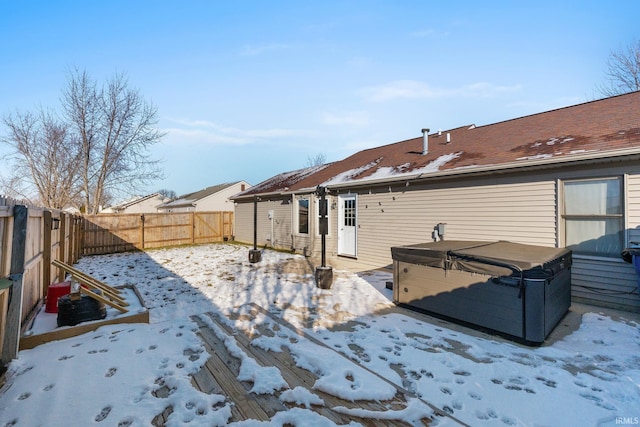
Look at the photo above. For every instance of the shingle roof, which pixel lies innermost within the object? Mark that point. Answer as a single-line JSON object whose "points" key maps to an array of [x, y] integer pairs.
{"points": [[191, 198], [597, 126], [133, 201]]}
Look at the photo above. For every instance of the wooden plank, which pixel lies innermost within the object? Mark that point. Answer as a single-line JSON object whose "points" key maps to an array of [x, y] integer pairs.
{"points": [[85, 277], [110, 292], [105, 292], [406, 393], [103, 299], [13, 326], [298, 377], [225, 369]]}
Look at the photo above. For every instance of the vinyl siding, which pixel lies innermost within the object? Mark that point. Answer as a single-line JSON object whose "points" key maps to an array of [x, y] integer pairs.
{"points": [[612, 282], [275, 233], [519, 212], [519, 208]]}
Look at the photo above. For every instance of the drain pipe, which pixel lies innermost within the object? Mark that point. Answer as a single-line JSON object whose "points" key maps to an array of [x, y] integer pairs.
{"points": [[425, 141]]}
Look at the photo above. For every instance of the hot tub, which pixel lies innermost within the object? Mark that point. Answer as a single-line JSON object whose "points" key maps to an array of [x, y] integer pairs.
{"points": [[514, 289]]}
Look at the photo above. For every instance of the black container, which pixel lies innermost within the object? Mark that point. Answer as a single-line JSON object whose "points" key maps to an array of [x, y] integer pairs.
{"points": [[71, 312]]}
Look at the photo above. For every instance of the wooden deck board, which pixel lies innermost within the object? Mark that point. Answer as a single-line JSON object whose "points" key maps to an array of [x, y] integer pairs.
{"points": [[295, 376], [219, 375]]}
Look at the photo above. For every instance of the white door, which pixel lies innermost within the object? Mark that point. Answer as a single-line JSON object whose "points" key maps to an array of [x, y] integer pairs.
{"points": [[347, 224]]}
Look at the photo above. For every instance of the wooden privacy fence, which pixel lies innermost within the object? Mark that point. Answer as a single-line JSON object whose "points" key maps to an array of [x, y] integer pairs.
{"points": [[30, 239], [112, 233]]}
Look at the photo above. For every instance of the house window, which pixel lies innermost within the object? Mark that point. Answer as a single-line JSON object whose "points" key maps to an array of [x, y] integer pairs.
{"points": [[303, 216], [349, 215], [593, 216]]}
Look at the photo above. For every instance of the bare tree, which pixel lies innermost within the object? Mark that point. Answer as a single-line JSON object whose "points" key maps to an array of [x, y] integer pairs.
{"points": [[623, 71], [116, 129], [317, 160], [45, 156], [169, 194]]}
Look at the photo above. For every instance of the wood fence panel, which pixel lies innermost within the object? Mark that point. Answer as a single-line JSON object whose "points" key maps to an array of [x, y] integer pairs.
{"points": [[104, 234], [30, 239], [6, 225], [111, 233], [168, 229]]}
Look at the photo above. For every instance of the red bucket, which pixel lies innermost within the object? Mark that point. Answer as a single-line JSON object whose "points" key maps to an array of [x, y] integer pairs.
{"points": [[56, 290]]}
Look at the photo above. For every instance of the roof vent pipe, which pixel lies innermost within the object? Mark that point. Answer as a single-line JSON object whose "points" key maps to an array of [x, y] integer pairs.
{"points": [[448, 137], [425, 141]]}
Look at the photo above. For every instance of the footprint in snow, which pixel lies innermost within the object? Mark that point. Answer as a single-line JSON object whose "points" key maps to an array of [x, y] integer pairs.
{"points": [[24, 371], [474, 395], [548, 383], [486, 415], [66, 357], [111, 372], [103, 414], [48, 387], [24, 396]]}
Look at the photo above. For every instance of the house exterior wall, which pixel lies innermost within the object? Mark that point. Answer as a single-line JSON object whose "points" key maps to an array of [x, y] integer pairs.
{"points": [[524, 208], [519, 208], [488, 209], [145, 206], [278, 226], [219, 202]]}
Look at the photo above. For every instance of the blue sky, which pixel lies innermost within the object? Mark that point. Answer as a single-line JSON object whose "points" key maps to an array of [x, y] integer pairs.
{"points": [[249, 89]]}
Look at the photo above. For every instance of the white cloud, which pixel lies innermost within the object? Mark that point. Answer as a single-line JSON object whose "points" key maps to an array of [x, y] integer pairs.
{"points": [[351, 118], [413, 89], [202, 131]]}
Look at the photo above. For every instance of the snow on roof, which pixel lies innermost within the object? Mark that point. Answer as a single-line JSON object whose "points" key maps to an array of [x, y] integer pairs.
{"points": [[604, 125], [283, 181]]}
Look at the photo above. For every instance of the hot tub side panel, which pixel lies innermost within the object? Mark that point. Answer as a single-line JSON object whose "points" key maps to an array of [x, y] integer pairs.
{"points": [[530, 313], [468, 297]]}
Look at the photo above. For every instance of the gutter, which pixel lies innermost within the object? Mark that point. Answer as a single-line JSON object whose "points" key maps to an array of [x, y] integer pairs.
{"points": [[591, 157], [538, 164]]}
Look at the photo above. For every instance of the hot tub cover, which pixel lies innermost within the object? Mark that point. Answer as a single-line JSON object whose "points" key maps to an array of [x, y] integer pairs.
{"points": [[499, 258]]}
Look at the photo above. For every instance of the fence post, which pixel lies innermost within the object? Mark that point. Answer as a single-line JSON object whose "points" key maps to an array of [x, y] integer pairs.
{"points": [[77, 237], [16, 272], [193, 227], [142, 232], [63, 243], [46, 251]]}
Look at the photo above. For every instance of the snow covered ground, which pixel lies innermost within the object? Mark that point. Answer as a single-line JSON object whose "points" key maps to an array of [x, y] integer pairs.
{"points": [[110, 376]]}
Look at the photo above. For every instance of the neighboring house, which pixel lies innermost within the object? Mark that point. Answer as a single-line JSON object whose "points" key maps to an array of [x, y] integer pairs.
{"points": [[138, 204], [215, 198], [569, 177]]}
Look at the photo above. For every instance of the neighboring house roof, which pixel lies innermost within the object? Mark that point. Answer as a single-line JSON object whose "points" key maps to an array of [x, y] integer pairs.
{"points": [[192, 198], [588, 130], [131, 202]]}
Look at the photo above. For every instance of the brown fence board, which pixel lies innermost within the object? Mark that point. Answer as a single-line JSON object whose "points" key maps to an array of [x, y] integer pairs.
{"points": [[30, 239], [111, 233]]}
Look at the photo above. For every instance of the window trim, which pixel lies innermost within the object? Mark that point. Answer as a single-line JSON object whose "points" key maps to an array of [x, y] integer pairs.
{"points": [[297, 210], [623, 216]]}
